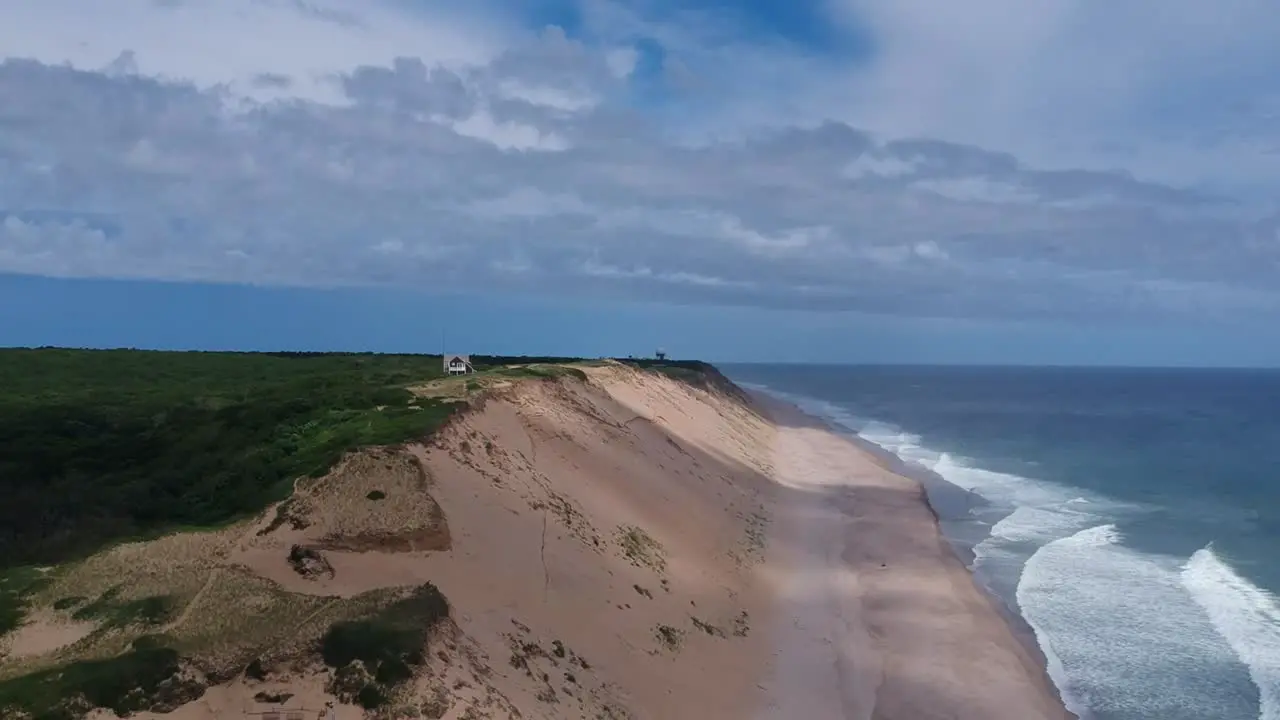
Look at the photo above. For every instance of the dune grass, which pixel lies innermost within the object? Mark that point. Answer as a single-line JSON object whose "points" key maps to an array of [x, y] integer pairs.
{"points": [[16, 586], [147, 675]]}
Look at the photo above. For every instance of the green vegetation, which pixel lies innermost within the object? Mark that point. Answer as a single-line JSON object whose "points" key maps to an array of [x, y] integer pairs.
{"points": [[542, 371], [669, 637], [707, 628], [147, 676], [691, 372], [16, 585], [151, 610], [641, 549], [489, 362], [374, 655], [101, 446], [68, 602]]}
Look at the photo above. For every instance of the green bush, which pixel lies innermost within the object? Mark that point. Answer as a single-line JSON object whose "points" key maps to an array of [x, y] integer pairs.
{"points": [[371, 697], [126, 684], [543, 371], [388, 645], [16, 584], [67, 603], [397, 632]]}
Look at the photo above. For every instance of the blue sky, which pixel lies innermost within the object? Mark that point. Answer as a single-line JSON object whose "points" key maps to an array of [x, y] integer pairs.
{"points": [[840, 180]]}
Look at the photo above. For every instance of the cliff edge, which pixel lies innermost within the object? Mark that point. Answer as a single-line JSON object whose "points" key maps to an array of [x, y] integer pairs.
{"points": [[580, 541]]}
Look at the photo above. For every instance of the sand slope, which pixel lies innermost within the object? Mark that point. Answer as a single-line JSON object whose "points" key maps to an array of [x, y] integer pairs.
{"points": [[625, 547]]}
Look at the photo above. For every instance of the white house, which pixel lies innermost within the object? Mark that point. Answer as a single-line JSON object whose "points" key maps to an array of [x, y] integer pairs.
{"points": [[457, 364]]}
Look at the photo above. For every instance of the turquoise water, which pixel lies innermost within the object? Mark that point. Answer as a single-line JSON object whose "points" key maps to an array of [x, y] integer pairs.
{"points": [[1131, 517]]}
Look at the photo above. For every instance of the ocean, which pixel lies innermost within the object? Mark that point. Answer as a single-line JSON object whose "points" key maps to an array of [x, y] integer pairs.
{"points": [[1130, 517]]}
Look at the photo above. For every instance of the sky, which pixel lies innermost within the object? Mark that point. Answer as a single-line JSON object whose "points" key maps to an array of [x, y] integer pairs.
{"points": [[1065, 181]]}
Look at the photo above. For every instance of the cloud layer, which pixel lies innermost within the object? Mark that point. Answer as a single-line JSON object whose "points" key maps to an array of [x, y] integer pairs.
{"points": [[423, 148]]}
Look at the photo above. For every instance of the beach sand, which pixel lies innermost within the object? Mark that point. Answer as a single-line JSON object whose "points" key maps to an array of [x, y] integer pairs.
{"points": [[632, 547], [878, 618]]}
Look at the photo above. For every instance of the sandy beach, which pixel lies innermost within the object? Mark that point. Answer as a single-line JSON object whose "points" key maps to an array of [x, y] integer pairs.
{"points": [[877, 617], [624, 547]]}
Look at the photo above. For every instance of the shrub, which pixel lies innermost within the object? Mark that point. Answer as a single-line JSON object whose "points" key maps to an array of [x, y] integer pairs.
{"points": [[371, 697], [255, 670], [15, 586], [135, 681], [387, 645], [150, 610], [67, 603]]}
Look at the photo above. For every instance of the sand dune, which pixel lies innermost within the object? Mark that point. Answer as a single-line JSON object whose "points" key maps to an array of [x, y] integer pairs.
{"points": [[626, 547]]}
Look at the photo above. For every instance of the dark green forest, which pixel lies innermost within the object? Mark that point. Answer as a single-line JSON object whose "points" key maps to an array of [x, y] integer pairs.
{"points": [[102, 446]]}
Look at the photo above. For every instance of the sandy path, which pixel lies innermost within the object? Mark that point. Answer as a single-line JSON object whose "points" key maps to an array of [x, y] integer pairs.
{"points": [[879, 620]]}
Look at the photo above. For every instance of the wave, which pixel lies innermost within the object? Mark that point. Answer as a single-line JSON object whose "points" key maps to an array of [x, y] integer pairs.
{"points": [[1126, 634], [1123, 636], [1246, 615]]}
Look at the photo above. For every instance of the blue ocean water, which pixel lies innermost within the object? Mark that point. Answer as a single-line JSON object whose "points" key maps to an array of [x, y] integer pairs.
{"points": [[1131, 517]]}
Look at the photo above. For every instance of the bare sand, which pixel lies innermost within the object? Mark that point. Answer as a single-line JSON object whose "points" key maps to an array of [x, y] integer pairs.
{"points": [[878, 618], [628, 547]]}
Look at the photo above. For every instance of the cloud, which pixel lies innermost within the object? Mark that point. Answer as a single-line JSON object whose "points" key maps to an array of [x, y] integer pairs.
{"points": [[1067, 83], [434, 150]]}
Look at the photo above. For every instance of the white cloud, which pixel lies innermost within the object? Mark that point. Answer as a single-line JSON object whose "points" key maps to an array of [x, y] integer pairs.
{"points": [[382, 145], [232, 43], [528, 202], [1068, 83], [875, 166], [977, 189], [622, 61], [551, 97], [507, 134]]}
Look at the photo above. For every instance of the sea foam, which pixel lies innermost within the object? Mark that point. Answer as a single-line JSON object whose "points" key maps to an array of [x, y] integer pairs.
{"points": [[1126, 634], [1124, 637], [1246, 615]]}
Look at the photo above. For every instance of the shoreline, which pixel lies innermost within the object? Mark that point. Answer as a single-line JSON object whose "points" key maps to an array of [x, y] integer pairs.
{"points": [[956, 553], [963, 553]]}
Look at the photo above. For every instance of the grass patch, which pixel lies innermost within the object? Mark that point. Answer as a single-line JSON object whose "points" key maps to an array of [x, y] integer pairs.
{"points": [[641, 549], [143, 678], [16, 586], [690, 372], [115, 613], [104, 446], [541, 371], [68, 602], [374, 655], [255, 670], [708, 628], [669, 637], [269, 698]]}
